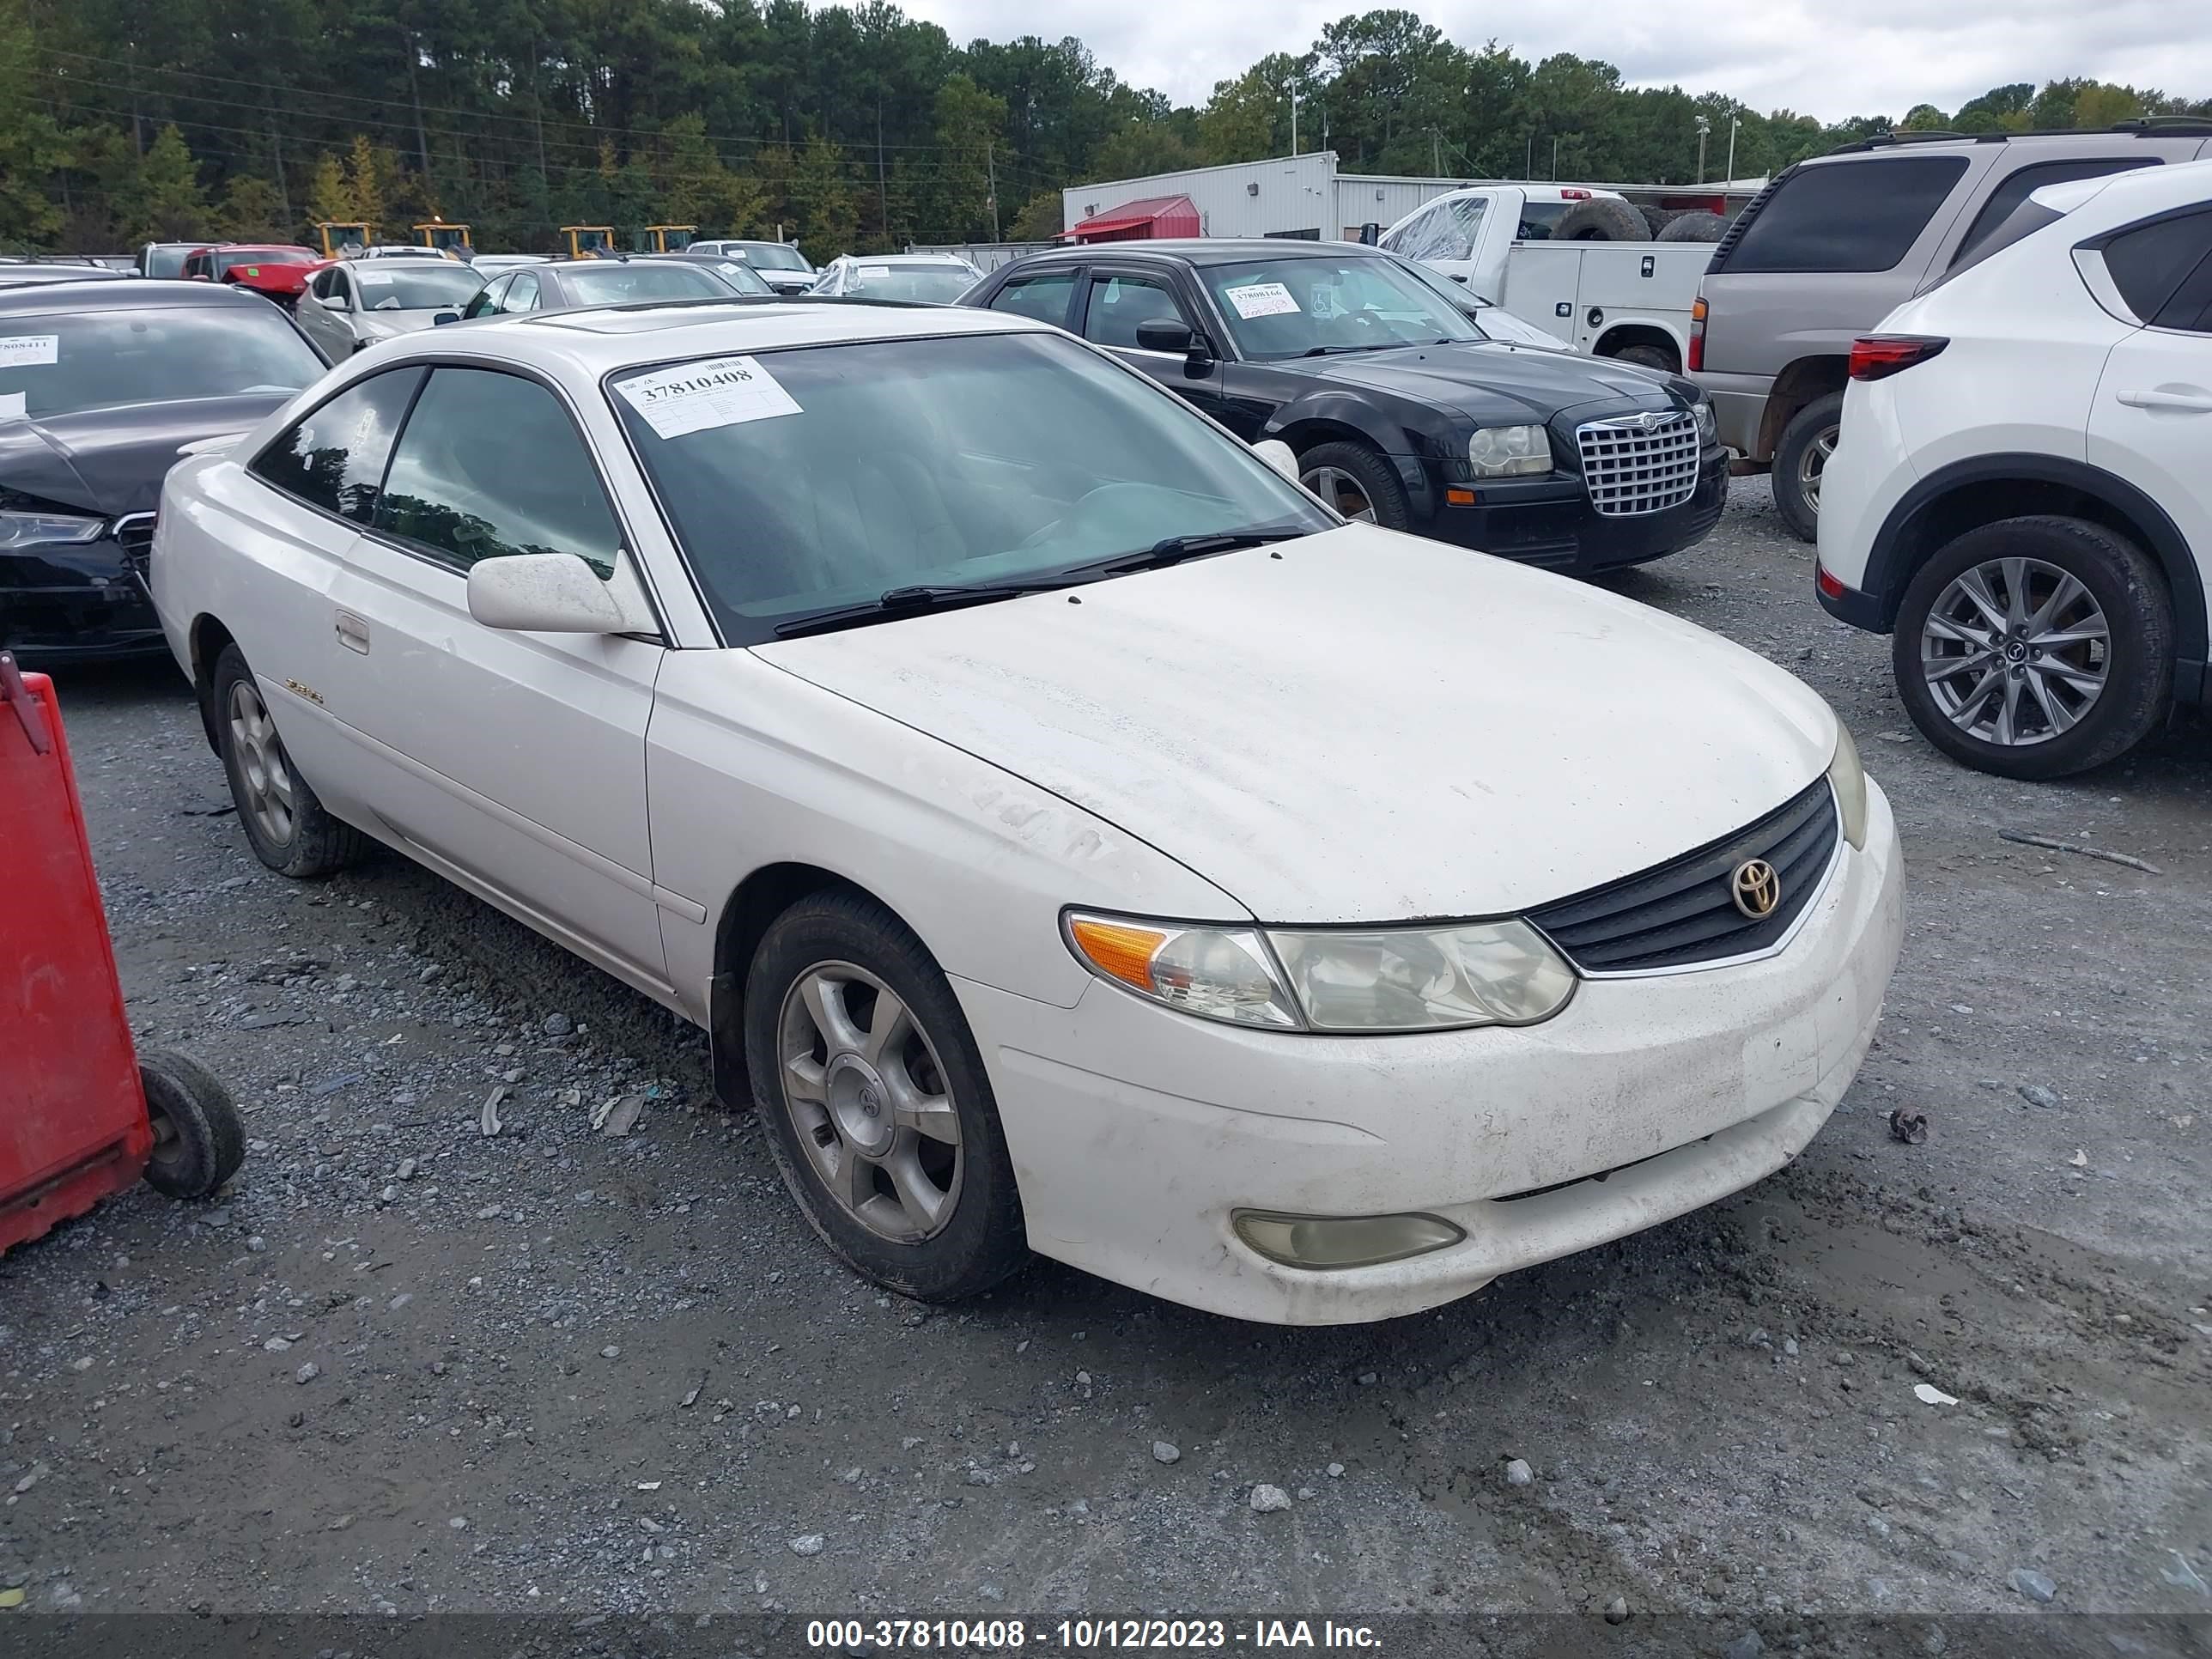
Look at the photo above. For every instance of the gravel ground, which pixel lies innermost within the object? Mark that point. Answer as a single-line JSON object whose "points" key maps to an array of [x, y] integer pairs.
{"points": [[402, 1366]]}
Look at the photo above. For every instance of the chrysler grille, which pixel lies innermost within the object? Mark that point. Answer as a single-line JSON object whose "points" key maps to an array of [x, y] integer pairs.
{"points": [[1639, 463]]}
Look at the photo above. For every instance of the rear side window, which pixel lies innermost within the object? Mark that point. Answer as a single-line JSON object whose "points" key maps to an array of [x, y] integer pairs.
{"points": [[1044, 298], [2148, 262], [1847, 216], [334, 458], [2018, 185]]}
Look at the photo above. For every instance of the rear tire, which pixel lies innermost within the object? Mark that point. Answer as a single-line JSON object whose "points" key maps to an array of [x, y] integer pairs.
{"points": [[1601, 219], [1695, 225], [1800, 459], [892, 1147], [199, 1141], [1648, 357], [1357, 483], [2095, 660], [283, 817]]}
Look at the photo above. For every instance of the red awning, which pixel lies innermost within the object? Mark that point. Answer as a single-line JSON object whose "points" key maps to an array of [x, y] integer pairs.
{"points": [[1142, 220]]}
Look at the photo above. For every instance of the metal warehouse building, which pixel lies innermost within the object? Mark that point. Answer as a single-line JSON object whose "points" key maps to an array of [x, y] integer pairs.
{"points": [[1305, 196]]}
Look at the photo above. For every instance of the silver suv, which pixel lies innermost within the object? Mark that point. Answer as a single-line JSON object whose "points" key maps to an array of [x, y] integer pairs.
{"points": [[1833, 245]]}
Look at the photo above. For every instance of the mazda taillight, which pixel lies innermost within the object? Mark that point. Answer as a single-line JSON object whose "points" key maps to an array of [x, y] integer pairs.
{"points": [[1697, 360], [1877, 357], [1830, 584]]}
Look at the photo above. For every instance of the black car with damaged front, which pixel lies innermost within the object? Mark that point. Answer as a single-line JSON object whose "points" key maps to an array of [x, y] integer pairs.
{"points": [[1398, 408], [101, 384]]}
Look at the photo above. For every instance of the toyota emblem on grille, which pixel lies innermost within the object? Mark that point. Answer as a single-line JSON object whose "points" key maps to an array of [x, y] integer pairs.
{"points": [[1756, 888]]}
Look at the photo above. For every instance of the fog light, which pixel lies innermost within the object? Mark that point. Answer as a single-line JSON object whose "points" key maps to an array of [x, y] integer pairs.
{"points": [[1351, 1241]]}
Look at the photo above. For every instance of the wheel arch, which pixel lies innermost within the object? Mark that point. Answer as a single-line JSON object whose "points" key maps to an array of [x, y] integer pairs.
{"points": [[206, 638], [1986, 488], [1804, 381], [1620, 336], [746, 916]]}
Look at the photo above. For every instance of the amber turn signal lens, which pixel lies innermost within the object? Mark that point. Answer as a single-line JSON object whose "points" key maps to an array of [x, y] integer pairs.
{"points": [[1119, 950], [1456, 497]]}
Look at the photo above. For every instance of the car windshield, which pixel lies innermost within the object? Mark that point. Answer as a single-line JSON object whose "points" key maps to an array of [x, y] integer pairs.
{"points": [[770, 256], [426, 287], [227, 263], [166, 261], [1307, 308], [69, 362], [815, 479], [936, 285], [744, 278], [613, 282]]}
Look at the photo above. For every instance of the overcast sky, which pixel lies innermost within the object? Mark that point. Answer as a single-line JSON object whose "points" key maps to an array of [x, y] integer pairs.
{"points": [[1831, 59]]}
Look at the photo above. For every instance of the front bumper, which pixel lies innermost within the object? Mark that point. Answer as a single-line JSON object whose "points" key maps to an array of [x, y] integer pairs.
{"points": [[1550, 522], [1137, 1132], [75, 604]]}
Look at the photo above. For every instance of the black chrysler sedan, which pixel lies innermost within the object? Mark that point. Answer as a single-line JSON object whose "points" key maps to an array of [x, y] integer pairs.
{"points": [[101, 383], [1400, 411]]}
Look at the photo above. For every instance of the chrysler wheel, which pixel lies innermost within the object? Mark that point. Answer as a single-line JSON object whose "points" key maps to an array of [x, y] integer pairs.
{"points": [[1358, 482], [877, 1108], [2015, 651], [1341, 491], [866, 1093], [2035, 647]]}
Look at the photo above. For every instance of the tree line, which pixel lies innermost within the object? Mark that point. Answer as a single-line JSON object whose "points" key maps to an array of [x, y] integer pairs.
{"points": [[843, 127]]}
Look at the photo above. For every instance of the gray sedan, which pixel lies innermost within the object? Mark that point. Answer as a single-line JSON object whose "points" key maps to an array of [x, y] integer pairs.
{"points": [[355, 302], [612, 282]]}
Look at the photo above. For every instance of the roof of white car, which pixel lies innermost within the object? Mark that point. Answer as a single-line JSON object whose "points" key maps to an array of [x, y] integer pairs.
{"points": [[594, 340], [2124, 196]]}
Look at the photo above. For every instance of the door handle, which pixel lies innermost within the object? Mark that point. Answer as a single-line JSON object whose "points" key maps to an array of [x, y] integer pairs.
{"points": [[1459, 276], [353, 632], [2193, 403]]}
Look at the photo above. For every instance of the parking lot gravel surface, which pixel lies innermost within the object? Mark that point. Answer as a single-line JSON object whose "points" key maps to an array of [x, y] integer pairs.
{"points": [[402, 1366]]}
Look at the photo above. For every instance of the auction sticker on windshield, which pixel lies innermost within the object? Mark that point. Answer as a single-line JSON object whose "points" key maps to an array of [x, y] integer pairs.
{"points": [[1261, 300], [24, 351], [694, 396]]}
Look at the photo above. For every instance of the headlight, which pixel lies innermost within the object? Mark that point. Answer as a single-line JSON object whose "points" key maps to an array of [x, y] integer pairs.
{"points": [[1709, 430], [1486, 973], [1376, 980], [1508, 451], [30, 529], [1219, 973], [1848, 779]]}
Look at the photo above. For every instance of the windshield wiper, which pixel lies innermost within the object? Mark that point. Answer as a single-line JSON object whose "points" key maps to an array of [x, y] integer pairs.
{"points": [[1174, 550], [1331, 350], [910, 601]]}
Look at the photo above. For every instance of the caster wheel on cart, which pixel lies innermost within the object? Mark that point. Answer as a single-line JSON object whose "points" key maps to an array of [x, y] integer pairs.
{"points": [[199, 1141]]}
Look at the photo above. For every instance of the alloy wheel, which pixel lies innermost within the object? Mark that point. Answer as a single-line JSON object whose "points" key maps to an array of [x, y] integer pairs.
{"points": [[1813, 463], [862, 1085], [2015, 652], [1341, 491], [263, 774]]}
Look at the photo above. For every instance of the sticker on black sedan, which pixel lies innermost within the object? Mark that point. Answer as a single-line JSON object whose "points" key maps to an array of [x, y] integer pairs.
{"points": [[1261, 300]]}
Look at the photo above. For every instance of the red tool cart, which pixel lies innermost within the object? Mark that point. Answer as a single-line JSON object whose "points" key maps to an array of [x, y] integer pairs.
{"points": [[81, 1114]]}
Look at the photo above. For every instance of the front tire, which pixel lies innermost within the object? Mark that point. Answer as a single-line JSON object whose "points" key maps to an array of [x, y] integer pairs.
{"points": [[877, 1110], [1357, 483], [283, 818], [2034, 647], [1801, 457]]}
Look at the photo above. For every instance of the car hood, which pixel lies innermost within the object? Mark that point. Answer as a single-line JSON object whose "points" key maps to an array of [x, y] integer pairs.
{"points": [[114, 460], [1481, 379], [1371, 727]]}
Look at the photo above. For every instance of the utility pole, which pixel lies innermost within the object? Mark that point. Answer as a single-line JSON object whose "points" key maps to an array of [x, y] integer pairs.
{"points": [[1555, 158], [1735, 121], [991, 177], [883, 192], [1435, 154], [276, 145], [1529, 156], [1293, 91], [1703, 127]]}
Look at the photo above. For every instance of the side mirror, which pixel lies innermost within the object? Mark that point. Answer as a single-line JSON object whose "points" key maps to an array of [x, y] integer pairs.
{"points": [[545, 593], [445, 317], [331, 301], [1164, 334], [1279, 455]]}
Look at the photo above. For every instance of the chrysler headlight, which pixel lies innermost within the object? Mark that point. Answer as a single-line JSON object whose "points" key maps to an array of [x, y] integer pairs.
{"points": [[1848, 779], [1508, 451], [43, 528], [1709, 430], [1425, 979], [1338, 980]]}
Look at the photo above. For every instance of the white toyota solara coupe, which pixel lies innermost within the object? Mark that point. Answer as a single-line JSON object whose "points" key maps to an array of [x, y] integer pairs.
{"points": [[1070, 834]]}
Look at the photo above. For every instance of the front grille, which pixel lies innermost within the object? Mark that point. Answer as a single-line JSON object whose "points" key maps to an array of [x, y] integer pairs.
{"points": [[135, 532], [1636, 463], [1683, 913]]}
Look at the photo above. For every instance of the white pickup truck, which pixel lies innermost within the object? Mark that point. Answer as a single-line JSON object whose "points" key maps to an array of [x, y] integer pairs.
{"points": [[1579, 263]]}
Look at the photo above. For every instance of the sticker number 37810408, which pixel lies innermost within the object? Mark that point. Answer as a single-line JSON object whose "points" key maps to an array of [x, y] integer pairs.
{"points": [[695, 397]]}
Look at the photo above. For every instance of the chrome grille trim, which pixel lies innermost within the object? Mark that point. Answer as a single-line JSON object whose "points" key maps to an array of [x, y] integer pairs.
{"points": [[1633, 464]]}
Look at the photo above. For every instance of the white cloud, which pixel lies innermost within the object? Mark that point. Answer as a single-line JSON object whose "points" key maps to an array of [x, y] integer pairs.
{"points": [[1818, 57]]}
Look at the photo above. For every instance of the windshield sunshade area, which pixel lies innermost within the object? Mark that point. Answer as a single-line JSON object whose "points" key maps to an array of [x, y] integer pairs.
{"points": [[67, 363], [420, 288], [617, 282], [812, 479], [1278, 308], [936, 285]]}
